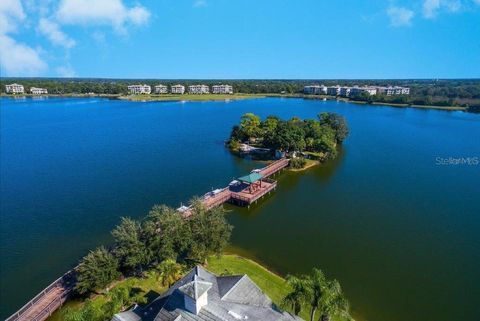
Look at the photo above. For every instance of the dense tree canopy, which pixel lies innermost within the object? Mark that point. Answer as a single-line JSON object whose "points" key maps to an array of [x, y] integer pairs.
{"points": [[317, 293], [294, 135], [129, 248], [96, 270], [463, 92]]}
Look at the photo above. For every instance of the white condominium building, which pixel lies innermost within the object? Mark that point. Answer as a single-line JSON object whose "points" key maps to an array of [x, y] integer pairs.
{"points": [[355, 91], [222, 89], [38, 91], [139, 89], [333, 91], [315, 90], [345, 91], [198, 89], [397, 90], [14, 89], [177, 89], [161, 89]]}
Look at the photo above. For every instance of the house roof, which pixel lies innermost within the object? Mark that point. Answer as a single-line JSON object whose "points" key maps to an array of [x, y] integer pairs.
{"points": [[230, 298], [251, 178], [196, 288]]}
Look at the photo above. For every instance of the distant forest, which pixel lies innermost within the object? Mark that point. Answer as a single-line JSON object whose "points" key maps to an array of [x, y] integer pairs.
{"points": [[441, 92]]}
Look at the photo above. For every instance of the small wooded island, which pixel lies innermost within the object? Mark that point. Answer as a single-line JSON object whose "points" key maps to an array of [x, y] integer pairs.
{"points": [[306, 142]]}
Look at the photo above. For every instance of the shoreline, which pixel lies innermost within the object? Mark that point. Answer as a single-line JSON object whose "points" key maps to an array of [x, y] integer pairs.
{"points": [[226, 97], [375, 103], [310, 164], [188, 97]]}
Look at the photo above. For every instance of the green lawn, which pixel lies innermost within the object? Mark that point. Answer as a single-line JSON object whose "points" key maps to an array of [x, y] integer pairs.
{"points": [[272, 284], [148, 287]]}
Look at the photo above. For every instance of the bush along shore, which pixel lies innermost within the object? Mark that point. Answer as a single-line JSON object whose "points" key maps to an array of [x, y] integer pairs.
{"points": [[306, 142], [149, 255]]}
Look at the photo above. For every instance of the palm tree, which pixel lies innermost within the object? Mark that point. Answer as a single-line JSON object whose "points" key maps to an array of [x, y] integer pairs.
{"points": [[334, 302], [170, 271], [299, 294], [317, 284]]}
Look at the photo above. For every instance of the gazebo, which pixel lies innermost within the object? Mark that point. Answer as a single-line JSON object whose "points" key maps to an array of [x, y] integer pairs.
{"points": [[254, 180]]}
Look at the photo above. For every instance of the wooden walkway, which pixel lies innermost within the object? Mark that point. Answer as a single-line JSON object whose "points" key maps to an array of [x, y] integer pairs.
{"points": [[47, 301], [240, 194], [50, 299]]}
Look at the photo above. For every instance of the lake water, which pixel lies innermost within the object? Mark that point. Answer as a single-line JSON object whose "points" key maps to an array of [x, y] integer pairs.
{"points": [[396, 228]]}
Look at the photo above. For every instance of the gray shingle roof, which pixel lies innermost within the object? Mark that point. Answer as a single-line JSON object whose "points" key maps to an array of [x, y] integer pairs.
{"points": [[196, 288], [230, 298]]}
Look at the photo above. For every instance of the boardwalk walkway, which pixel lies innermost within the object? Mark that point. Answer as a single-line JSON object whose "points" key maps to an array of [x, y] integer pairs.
{"points": [[240, 194], [50, 299], [47, 301]]}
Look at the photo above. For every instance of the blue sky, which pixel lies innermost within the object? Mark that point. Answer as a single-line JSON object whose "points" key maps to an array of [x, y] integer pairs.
{"points": [[240, 38]]}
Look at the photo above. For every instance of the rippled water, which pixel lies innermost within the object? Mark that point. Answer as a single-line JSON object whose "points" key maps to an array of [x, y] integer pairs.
{"points": [[393, 218]]}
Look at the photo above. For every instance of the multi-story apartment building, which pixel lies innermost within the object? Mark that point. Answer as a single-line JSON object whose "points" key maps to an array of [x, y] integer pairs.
{"points": [[161, 89], [139, 89], [345, 91], [222, 89], [333, 90], [177, 89], [355, 91], [38, 91], [14, 89], [397, 90], [315, 90], [198, 89]]}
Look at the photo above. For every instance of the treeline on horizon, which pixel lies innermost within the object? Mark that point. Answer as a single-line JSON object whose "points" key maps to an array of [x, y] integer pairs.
{"points": [[441, 92]]}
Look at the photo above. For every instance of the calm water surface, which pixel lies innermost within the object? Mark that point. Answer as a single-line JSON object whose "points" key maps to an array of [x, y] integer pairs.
{"points": [[399, 231]]}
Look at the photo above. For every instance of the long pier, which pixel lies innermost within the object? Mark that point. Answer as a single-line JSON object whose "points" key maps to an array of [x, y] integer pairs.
{"points": [[242, 193], [46, 302]]}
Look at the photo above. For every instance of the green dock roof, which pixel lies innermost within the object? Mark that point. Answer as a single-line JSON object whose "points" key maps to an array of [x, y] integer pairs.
{"points": [[251, 178]]}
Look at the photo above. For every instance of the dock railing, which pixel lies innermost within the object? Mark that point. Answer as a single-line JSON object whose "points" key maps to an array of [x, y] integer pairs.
{"points": [[66, 282]]}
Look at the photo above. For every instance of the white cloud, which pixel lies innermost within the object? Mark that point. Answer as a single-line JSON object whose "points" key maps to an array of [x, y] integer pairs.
{"points": [[11, 12], [16, 59], [52, 31], [65, 71], [199, 3], [431, 8], [477, 2], [104, 12], [400, 16]]}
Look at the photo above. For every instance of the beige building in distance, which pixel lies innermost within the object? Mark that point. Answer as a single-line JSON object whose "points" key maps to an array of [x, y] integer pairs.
{"points": [[38, 91], [14, 89], [139, 89], [222, 89], [177, 89], [198, 89], [161, 89]]}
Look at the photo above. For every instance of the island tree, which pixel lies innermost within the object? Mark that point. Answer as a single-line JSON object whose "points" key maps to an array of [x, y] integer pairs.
{"points": [[295, 135], [96, 271], [129, 248], [317, 293]]}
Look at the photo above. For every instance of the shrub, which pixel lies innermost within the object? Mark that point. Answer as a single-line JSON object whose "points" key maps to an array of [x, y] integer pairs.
{"points": [[298, 162]]}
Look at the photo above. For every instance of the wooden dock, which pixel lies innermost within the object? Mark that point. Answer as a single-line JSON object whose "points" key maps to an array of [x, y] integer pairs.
{"points": [[46, 302], [244, 193]]}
